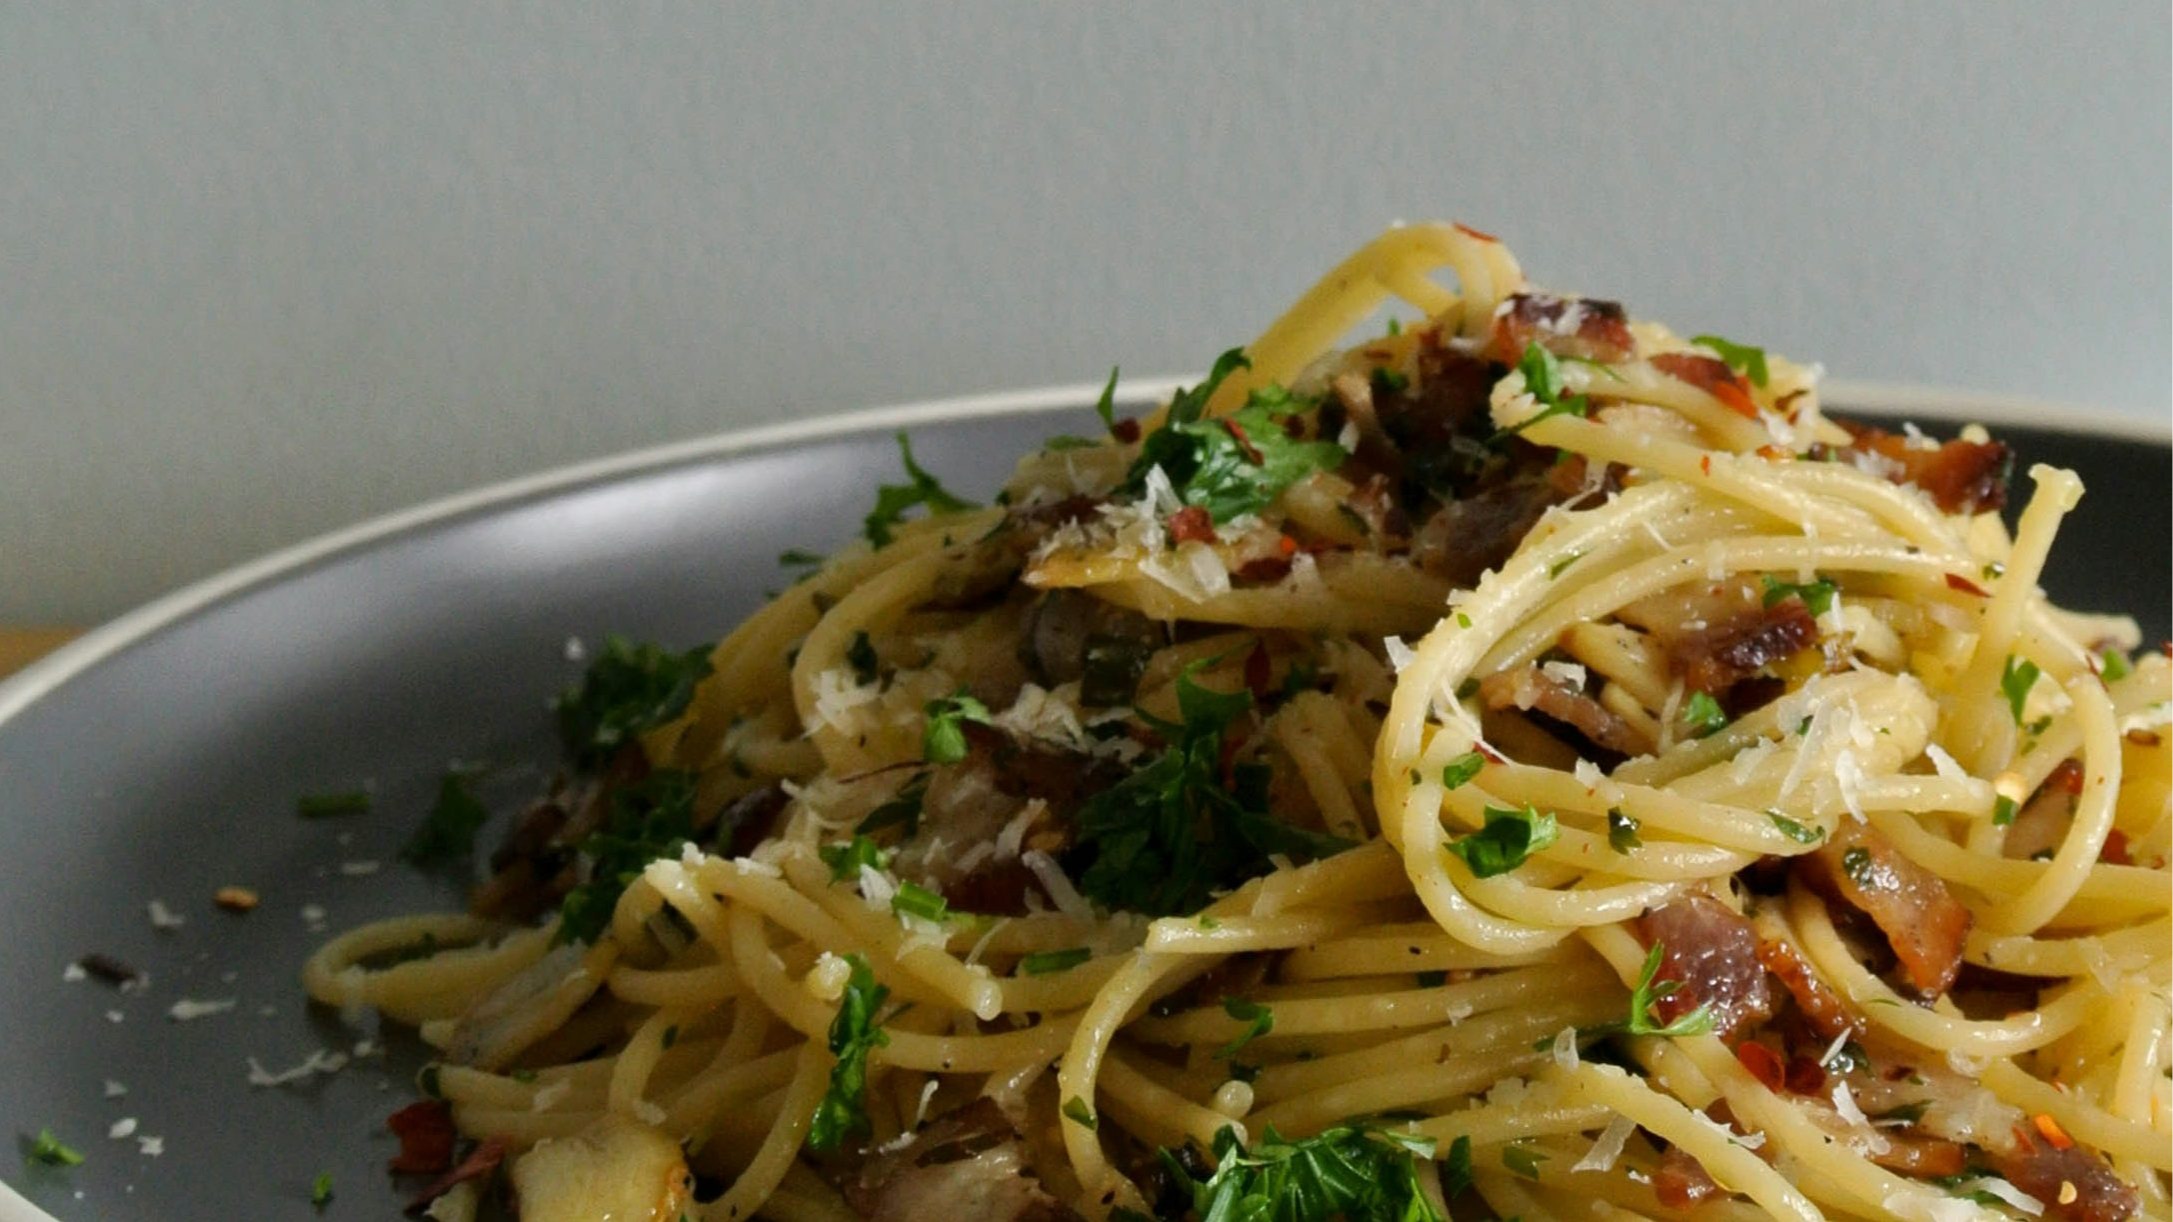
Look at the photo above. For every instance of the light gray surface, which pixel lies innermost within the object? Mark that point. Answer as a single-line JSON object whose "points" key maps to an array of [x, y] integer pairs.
{"points": [[266, 268]]}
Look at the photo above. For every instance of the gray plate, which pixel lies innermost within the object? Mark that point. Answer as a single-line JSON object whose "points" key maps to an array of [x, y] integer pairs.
{"points": [[160, 758]]}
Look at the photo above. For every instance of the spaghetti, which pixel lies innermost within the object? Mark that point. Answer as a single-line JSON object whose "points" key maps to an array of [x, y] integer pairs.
{"points": [[1741, 830]]}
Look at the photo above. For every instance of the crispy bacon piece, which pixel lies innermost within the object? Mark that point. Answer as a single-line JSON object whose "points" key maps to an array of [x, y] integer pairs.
{"points": [[1711, 375], [970, 1163], [1680, 1181], [1530, 688], [425, 1130], [1921, 919], [1960, 476], [1191, 525], [1921, 1157], [480, 1162], [1478, 532], [1713, 954], [1822, 1008], [2044, 1170], [1714, 659], [1584, 327]]}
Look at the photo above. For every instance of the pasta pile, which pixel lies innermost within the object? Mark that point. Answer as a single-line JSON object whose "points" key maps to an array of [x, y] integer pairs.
{"points": [[1526, 763]]}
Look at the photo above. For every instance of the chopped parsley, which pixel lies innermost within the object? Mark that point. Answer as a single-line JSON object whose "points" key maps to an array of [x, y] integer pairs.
{"points": [[1650, 991], [1543, 379], [902, 810], [1239, 463], [943, 736], [843, 1111], [860, 655], [1456, 1169], [1795, 831], [1817, 595], [1522, 1159], [1622, 832], [847, 857], [1355, 1171], [2003, 811], [892, 500], [326, 805], [53, 1152], [1106, 406], [1703, 715], [2015, 681], [1743, 358], [1385, 381], [797, 558], [320, 1190], [628, 691], [1561, 566], [1856, 863], [649, 819], [1050, 962], [2114, 665], [1165, 839], [1259, 1021], [1080, 1113], [1459, 771], [447, 833], [1508, 838], [914, 900]]}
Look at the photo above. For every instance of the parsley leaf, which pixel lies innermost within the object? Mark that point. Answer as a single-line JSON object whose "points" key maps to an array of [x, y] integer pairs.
{"points": [[1650, 992], [1817, 595], [854, 1033], [1798, 832], [1049, 962], [2015, 681], [860, 655], [892, 500], [2003, 811], [943, 737], [1743, 358], [320, 1190], [1106, 406], [652, 818], [447, 833], [1456, 1169], [629, 690], [1163, 840], [53, 1152], [1355, 1171], [902, 810], [1704, 716], [1522, 1159], [914, 900], [2114, 666], [1622, 832], [846, 858], [1543, 378], [1508, 838], [1237, 464], [1259, 1018], [1079, 1112], [1459, 771]]}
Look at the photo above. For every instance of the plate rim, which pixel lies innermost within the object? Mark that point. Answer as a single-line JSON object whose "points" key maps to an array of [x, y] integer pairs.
{"points": [[21, 691], [17, 693]]}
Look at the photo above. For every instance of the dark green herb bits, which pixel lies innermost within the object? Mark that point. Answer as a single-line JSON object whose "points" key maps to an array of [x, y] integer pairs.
{"points": [[943, 735], [921, 490], [1798, 832], [2015, 681], [902, 810], [1258, 1020], [1509, 837], [1650, 991], [320, 1190], [1080, 1113], [1543, 379], [1817, 595], [1050, 962], [1165, 839], [1239, 463], [1703, 716], [628, 691], [914, 900], [1458, 772], [447, 833], [52, 1151], [650, 819], [1106, 406], [843, 1111], [2114, 666], [1622, 832], [847, 858], [1355, 1171], [860, 655], [1743, 358]]}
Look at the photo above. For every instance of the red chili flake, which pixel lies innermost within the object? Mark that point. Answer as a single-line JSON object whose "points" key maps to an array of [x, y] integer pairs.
{"points": [[1259, 672], [1955, 581], [2166, 647], [2144, 738], [1774, 453], [1252, 452], [1191, 525], [1763, 1063], [425, 1130], [1805, 1076], [1480, 234], [2067, 777], [2052, 1131], [1705, 463], [1126, 431], [2115, 851], [480, 1162], [1787, 404]]}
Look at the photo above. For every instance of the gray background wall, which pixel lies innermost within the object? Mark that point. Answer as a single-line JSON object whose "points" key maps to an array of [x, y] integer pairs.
{"points": [[267, 268]]}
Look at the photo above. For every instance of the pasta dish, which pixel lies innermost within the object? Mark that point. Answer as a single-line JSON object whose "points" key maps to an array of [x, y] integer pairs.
{"points": [[1522, 762]]}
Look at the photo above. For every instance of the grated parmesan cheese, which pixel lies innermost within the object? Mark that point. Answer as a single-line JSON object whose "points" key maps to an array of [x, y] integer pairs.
{"points": [[188, 1009], [1608, 1147]]}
